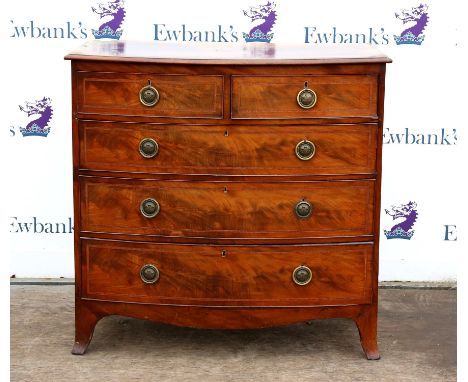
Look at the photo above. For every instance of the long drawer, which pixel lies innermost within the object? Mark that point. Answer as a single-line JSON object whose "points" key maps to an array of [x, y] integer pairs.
{"points": [[176, 96], [278, 97], [239, 150], [227, 209], [231, 276]]}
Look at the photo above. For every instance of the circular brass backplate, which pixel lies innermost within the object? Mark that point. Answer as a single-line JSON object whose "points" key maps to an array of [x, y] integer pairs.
{"points": [[149, 96], [305, 150], [303, 209], [149, 274], [148, 148], [302, 275], [306, 98], [149, 208]]}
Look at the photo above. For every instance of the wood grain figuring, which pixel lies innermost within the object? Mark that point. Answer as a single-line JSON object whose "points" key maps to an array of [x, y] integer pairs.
{"points": [[224, 317], [180, 95], [239, 275], [276, 97], [232, 150], [227, 237], [228, 209]]}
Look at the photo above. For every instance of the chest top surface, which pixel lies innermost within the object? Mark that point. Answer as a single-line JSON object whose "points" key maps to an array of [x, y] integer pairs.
{"points": [[229, 54]]}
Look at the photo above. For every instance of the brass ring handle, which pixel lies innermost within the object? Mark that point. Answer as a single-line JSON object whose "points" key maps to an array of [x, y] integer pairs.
{"points": [[148, 148], [306, 98], [302, 275], [149, 274], [303, 209], [305, 150], [149, 96], [149, 208]]}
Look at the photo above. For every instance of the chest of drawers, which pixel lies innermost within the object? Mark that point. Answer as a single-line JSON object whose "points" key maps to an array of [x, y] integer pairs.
{"points": [[227, 187]]}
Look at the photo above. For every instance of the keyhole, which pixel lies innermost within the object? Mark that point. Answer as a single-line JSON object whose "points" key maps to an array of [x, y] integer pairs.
{"points": [[225, 190], [306, 84], [223, 253], [226, 133]]}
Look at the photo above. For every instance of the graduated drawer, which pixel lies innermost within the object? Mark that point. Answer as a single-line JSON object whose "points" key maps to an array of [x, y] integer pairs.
{"points": [[227, 209], [337, 96], [226, 275], [237, 150], [180, 96]]}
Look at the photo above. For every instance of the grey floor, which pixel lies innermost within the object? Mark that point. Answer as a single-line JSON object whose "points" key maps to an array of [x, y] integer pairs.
{"points": [[417, 340]]}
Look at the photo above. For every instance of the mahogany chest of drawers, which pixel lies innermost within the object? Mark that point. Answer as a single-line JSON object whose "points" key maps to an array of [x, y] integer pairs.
{"points": [[227, 186]]}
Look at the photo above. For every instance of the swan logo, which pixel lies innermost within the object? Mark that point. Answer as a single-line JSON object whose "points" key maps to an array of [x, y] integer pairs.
{"points": [[263, 18], [113, 13], [407, 216], [42, 112], [414, 21]]}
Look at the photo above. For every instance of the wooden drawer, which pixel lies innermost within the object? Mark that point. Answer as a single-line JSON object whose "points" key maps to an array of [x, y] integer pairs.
{"points": [[227, 275], [237, 150], [180, 96], [338, 96], [228, 209]]}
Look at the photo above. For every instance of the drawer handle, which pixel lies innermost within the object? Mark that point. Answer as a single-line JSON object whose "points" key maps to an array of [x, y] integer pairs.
{"points": [[149, 274], [303, 209], [302, 275], [149, 208], [306, 98], [149, 148], [149, 96], [305, 150]]}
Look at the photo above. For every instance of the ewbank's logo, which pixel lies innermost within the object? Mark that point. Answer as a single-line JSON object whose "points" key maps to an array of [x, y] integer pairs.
{"points": [[39, 126], [111, 28], [263, 17], [441, 136], [36, 225], [404, 229], [418, 18]]}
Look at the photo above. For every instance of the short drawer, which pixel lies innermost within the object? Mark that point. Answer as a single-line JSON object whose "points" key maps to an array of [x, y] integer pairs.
{"points": [[227, 275], [278, 97], [178, 96], [227, 209], [232, 150]]}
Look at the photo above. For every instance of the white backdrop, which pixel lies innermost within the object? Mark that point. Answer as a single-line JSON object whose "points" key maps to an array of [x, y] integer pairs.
{"points": [[423, 155]]}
